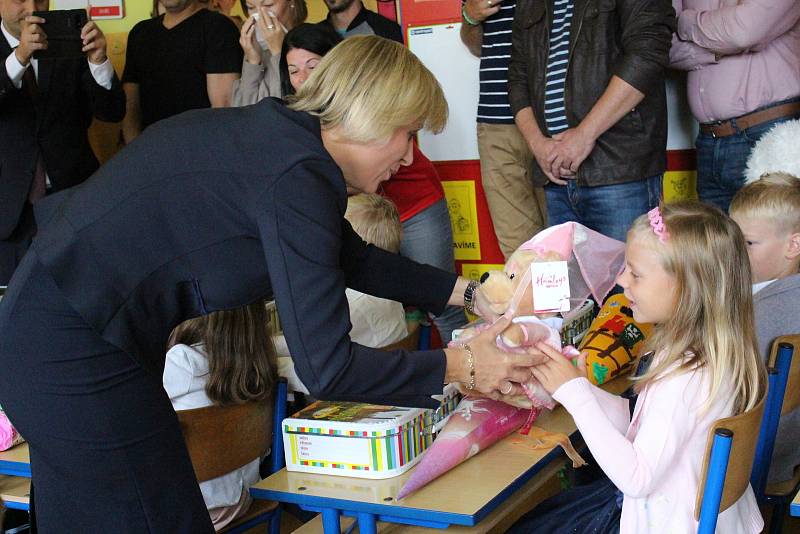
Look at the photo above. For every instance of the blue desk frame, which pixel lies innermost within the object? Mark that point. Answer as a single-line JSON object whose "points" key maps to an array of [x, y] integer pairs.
{"points": [[17, 469], [368, 514]]}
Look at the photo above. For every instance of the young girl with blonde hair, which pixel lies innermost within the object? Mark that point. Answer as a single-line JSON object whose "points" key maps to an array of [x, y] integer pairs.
{"points": [[223, 358], [687, 272]]}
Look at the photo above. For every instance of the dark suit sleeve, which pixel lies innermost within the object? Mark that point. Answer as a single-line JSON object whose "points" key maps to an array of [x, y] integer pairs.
{"points": [[300, 223], [6, 86], [106, 104], [377, 272]]}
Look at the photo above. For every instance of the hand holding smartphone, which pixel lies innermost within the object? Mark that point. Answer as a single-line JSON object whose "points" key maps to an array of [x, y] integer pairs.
{"points": [[63, 33]]}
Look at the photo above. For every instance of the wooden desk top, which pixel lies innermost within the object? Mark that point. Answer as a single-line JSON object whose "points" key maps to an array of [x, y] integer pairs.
{"points": [[16, 461], [467, 490], [15, 491]]}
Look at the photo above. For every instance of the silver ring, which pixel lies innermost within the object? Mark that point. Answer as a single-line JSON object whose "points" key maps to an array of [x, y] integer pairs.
{"points": [[489, 2], [271, 27], [505, 391]]}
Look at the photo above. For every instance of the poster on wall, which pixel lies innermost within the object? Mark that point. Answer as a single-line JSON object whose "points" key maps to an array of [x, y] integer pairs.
{"points": [[680, 185], [100, 10], [461, 204]]}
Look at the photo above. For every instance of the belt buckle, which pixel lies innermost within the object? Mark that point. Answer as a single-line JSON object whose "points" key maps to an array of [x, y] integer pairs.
{"points": [[714, 126]]}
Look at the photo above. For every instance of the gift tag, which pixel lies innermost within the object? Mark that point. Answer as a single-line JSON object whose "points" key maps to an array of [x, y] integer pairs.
{"points": [[550, 286]]}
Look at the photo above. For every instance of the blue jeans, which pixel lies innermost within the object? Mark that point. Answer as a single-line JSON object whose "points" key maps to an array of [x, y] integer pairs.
{"points": [[608, 209], [722, 161], [428, 239]]}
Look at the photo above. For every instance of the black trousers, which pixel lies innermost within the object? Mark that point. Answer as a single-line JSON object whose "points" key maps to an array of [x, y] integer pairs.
{"points": [[107, 454]]}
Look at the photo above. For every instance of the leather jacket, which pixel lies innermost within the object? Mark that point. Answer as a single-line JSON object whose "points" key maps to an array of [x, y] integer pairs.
{"points": [[629, 39]]}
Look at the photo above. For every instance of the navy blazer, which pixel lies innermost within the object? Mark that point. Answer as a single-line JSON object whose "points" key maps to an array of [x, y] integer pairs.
{"points": [[55, 125], [213, 209]]}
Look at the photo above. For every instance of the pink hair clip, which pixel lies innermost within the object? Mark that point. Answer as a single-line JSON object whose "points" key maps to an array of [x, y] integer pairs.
{"points": [[657, 224]]}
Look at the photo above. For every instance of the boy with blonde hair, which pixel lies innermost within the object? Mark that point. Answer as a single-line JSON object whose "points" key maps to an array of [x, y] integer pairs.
{"points": [[768, 212], [376, 322]]}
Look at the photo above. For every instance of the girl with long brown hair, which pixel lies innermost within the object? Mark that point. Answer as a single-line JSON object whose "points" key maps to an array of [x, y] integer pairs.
{"points": [[223, 358]]}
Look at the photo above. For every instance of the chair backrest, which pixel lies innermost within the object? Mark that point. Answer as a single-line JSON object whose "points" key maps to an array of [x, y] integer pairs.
{"points": [[783, 371], [723, 483], [221, 439], [791, 397], [410, 342]]}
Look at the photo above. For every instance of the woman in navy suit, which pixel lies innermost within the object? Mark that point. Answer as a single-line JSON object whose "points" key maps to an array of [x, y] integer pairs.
{"points": [[211, 210]]}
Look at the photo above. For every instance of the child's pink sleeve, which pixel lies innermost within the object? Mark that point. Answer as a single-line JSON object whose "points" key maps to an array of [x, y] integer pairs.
{"points": [[615, 407], [634, 467]]}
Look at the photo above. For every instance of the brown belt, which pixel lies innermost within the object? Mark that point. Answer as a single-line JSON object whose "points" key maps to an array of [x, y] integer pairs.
{"points": [[726, 128]]}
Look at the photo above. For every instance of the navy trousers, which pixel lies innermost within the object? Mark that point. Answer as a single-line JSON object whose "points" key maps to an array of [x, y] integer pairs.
{"points": [[107, 454]]}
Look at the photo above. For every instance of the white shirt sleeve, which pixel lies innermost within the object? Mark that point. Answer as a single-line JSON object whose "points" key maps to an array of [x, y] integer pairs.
{"points": [[178, 372], [15, 69], [103, 73]]}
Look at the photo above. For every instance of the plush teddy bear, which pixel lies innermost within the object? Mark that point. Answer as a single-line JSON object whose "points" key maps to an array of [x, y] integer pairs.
{"points": [[501, 289]]}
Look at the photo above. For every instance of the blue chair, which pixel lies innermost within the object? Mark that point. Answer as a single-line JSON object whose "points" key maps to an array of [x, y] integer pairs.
{"points": [[721, 483], [783, 396], [223, 438]]}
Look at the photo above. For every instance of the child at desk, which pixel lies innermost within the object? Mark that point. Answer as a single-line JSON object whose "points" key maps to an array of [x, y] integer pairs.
{"points": [[768, 212], [223, 358], [686, 270]]}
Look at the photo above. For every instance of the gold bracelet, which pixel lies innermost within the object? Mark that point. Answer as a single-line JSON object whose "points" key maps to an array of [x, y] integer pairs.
{"points": [[471, 364]]}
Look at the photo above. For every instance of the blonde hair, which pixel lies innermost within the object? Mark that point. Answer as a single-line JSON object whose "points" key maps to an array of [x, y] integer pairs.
{"points": [[712, 324], [242, 364], [775, 196], [371, 86], [376, 220]]}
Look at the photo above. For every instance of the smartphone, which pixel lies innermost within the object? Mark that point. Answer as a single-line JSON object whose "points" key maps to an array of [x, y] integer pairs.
{"points": [[63, 29]]}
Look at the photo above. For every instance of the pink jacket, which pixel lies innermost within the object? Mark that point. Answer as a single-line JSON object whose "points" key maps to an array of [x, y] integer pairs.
{"points": [[758, 44], [656, 457]]}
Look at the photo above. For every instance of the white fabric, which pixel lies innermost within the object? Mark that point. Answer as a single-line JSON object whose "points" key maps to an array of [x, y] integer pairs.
{"points": [[103, 73], [655, 458], [761, 285], [185, 377], [376, 322]]}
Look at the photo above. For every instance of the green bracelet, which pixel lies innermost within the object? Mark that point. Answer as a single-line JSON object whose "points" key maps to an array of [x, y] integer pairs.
{"points": [[466, 17]]}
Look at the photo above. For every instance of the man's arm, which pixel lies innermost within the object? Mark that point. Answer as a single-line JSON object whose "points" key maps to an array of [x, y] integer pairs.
{"points": [[575, 145], [540, 145], [684, 55], [647, 27], [132, 123], [220, 88], [477, 11], [472, 37], [100, 83], [737, 28]]}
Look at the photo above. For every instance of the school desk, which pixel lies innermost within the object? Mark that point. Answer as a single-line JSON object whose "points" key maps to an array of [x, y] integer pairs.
{"points": [[15, 492], [464, 496], [794, 508], [16, 461]]}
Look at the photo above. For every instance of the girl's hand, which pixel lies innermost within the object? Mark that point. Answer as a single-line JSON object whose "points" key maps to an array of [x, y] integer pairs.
{"points": [[272, 30], [248, 42], [495, 371], [557, 369]]}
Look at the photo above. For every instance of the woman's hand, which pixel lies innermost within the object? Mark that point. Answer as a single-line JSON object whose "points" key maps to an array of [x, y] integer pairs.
{"points": [[248, 42], [557, 369], [495, 371], [271, 29]]}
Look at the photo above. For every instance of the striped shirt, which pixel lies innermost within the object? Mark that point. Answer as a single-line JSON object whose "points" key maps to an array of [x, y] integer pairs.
{"points": [[493, 106], [557, 61]]}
